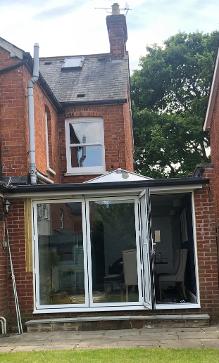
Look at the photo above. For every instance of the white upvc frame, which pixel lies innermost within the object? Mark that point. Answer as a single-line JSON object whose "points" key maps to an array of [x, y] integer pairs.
{"points": [[113, 194], [196, 305], [83, 170], [59, 307], [134, 200], [88, 304], [144, 241]]}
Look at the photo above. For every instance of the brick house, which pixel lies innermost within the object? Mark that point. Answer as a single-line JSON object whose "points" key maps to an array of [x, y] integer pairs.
{"points": [[68, 189]]}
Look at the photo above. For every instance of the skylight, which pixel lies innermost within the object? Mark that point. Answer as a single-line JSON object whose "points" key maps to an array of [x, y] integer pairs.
{"points": [[71, 63]]}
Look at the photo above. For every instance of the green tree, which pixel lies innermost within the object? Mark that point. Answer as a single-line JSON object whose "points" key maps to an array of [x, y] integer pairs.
{"points": [[169, 95]]}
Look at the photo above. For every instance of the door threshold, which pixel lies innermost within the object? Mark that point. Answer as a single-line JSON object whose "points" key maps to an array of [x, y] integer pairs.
{"points": [[87, 309]]}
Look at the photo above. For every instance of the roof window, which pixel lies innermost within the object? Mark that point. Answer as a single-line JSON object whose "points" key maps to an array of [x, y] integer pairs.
{"points": [[73, 63]]}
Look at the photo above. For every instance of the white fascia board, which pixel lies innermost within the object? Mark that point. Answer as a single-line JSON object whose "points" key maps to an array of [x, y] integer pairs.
{"points": [[213, 94], [96, 193], [175, 189]]}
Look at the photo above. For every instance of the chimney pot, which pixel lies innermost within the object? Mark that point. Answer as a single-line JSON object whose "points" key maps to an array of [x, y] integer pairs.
{"points": [[115, 9]]}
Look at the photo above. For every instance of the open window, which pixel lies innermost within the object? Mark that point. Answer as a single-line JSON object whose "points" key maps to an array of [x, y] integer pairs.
{"points": [[85, 146], [175, 259]]}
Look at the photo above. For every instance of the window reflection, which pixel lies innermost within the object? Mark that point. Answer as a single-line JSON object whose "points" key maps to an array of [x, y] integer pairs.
{"points": [[61, 256]]}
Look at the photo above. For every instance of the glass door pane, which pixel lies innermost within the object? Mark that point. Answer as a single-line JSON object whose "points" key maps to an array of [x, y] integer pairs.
{"points": [[60, 254], [113, 251], [145, 246]]}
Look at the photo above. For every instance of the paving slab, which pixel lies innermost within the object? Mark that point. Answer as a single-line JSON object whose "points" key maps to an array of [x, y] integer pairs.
{"points": [[147, 338]]}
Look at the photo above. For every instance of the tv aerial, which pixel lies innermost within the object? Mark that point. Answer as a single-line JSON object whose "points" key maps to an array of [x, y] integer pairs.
{"points": [[115, 9]]}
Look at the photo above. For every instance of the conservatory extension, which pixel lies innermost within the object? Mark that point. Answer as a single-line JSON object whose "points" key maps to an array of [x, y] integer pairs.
{"points": [[118, 242]]}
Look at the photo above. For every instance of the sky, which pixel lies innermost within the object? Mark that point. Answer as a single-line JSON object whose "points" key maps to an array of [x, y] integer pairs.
{"points": [[71, 27]]}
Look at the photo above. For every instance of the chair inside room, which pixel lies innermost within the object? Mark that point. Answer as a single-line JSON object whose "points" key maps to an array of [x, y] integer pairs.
{"points": [[178, 278], [129, 270]]}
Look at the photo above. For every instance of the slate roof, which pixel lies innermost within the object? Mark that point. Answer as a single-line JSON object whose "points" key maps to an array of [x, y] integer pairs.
{"points": [[99, 79]]}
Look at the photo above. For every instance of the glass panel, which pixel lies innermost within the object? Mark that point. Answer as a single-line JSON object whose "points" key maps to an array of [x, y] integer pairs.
{"points": [[86, 156], [113, 251], [61, 255], [83, 132], [175, 277]]}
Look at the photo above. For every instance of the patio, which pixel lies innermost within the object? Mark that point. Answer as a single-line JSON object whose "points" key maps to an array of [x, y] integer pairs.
{"points": [[207, 337]]}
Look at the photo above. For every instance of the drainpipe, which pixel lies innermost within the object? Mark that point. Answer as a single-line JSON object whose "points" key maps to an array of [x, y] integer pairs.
{"points": [[3, 325], [30, 88]]}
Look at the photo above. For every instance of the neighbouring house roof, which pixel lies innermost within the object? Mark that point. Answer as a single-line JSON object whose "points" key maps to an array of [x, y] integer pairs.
{"points": [[98, 79], [12, 49], [213, 95], [25, 58]]}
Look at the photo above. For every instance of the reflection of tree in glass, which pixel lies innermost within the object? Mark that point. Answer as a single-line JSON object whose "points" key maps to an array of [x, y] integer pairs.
{"points": [[119, 216], [81, 150]]}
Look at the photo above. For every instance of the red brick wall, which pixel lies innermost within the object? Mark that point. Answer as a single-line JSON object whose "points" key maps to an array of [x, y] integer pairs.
{"points": [[117, 137], [207, 249], [14, 134], [3, 270], [6, 60], [129, 141], [13, 124], [41, 105], [24, 280], [214, 142]]}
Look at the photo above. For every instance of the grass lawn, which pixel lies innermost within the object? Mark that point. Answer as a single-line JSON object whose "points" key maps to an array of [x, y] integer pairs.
{"points": [[115, 356]]}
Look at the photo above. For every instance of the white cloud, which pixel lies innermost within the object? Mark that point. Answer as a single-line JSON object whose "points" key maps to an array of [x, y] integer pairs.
{"points": [[76, 27]]}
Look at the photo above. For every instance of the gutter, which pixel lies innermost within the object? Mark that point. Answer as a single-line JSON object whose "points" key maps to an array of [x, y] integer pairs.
{"points": [[118, 101], [50, 188], [31, 119]]}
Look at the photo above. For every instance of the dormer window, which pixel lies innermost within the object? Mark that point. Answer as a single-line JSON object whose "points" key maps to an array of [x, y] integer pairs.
{"points": [[85, 146]]}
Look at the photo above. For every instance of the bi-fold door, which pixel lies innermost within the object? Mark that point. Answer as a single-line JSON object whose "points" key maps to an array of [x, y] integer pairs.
{"points": [[146, 247], [93, 253]]}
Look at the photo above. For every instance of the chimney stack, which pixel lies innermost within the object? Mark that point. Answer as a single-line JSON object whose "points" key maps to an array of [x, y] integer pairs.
{"points": [[117, 31]]}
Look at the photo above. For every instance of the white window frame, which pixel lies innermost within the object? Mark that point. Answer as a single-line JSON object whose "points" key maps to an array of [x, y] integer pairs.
{"points": [[87, 169]]}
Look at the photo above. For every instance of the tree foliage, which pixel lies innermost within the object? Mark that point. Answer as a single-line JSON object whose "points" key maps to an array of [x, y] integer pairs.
{"points": [[170, 93]]}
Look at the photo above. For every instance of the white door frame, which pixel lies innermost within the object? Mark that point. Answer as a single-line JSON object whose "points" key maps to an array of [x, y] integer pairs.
{"points": [[188, 305], [88, 304], [39, 306], [104, 307], [145, 241], [134, 200]]}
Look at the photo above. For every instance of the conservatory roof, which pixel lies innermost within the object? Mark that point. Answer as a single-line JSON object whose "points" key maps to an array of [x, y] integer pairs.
{"points": [[118, 175]]}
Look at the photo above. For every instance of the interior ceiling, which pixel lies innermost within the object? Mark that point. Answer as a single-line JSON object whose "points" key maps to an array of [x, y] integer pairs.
{"points": [[166, 204]]}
